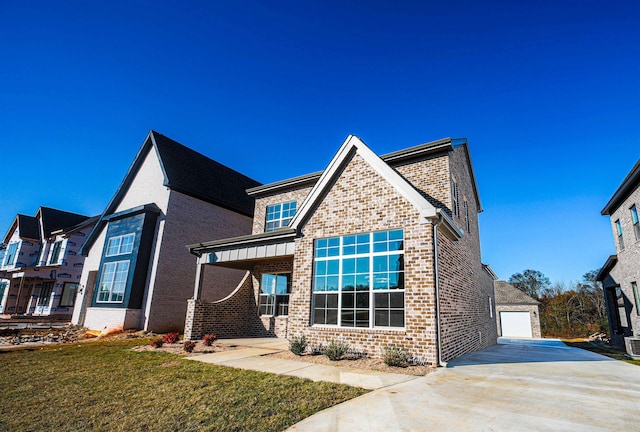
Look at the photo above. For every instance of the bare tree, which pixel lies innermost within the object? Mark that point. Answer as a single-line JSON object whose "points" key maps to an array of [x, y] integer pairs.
{"points": [[531, 282]]}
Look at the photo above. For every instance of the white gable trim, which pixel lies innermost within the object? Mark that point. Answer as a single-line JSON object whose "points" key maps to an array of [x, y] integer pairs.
{"points": [[353, 144]]}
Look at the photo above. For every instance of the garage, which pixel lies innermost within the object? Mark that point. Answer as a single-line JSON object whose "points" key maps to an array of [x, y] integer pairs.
{"points": [[516, 324]]}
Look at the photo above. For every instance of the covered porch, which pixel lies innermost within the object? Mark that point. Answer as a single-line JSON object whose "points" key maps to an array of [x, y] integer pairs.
{"points": [[258, 307]]}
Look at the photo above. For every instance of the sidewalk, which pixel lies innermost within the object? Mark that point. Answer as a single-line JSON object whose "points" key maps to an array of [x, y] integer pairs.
{"points": [[253, 353]]}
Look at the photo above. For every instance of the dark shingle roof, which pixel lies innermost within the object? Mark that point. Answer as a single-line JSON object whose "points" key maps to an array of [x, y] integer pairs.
{"points": [[54, 220], [508, 294], [196, 175], [28, 227]]}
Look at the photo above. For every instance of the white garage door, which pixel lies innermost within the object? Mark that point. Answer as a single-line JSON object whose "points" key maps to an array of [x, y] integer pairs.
{"points": [[515, 324]]}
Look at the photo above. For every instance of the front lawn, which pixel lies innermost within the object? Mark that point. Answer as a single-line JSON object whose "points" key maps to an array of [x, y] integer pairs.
{"points": [[107, 386]]}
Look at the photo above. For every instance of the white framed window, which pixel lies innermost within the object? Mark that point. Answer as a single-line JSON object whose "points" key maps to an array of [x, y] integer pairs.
{"points": [[55, 252], [120, 245], [11, 254], [279, 215], [113, 282], [44, 298], [275, 290], [358, 280], [636, 296]]}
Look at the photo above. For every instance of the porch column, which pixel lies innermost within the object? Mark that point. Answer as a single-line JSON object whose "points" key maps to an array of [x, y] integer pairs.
{"points": [[197, 291]]}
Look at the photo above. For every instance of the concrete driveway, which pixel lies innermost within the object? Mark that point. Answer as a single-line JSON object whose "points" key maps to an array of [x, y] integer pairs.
{"points": [[538, 385]]}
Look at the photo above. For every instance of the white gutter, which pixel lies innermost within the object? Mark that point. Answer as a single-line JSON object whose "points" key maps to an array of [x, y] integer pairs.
{"points": [[437, 290]]}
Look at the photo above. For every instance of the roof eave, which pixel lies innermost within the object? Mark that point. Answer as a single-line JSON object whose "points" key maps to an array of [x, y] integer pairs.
{"points": [[630, 182]]}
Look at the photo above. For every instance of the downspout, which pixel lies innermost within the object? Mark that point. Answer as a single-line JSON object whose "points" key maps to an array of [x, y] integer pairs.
{"points": [[437, 290]]}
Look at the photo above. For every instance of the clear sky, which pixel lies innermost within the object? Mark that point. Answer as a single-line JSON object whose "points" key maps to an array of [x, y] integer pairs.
{"points": [[546, 92]]}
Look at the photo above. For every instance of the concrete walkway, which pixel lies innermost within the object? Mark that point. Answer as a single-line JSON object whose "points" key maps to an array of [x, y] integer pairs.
{"points": [[514, 386], [252, 356]]}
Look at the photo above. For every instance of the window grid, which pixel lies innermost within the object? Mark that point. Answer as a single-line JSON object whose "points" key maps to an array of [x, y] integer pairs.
{"points": [[279, 215], [359, 280], [113, 282], [45, 294], [120, 245], [275, 290]]}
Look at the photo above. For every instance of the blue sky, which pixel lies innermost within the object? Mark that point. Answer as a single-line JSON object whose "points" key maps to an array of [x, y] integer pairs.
{"points": [[546, 93]]}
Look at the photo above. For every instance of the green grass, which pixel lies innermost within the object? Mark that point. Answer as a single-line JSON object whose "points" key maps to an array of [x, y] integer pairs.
{"points": [[107, 386], [605, 350]]}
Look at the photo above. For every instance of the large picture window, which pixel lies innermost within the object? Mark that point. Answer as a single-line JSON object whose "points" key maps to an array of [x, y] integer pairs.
{"points": [[113, 282], [279, 215], [275, 289], [120, 245], [359, 280]]}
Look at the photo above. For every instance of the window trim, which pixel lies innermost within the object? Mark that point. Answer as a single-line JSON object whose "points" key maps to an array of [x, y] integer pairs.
{"points": [[281, 221], [371, 291], [55, 250], [274, 294], [8, 254], [112, 282], [635, 220], [454, 198], [619, 233], [119, 248], [636, 296], [44, 301]]}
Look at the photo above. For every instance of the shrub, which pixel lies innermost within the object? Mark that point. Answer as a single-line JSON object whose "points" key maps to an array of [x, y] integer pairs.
{"points": [[188, 346], [298, 345], [209, 339], [336, 350], [157, 343], [316, 349], [396, 356], [171, 338]]}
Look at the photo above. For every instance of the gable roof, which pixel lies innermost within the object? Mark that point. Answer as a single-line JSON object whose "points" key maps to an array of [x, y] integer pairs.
{"points": [[508, 294], [392, 159], [27, 226], [188, 172], [54, 220], [351, 146], [628, 185]]}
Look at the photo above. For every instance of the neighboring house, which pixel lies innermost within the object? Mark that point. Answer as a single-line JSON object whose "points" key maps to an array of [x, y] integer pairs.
{"points": [[40, 267], [376, 251], [517, 314], [138, 273], [620, 275]]}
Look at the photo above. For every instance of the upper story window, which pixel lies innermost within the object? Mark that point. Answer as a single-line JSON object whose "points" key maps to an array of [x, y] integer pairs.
{"points": [[279, 215], [275, 290], [359, 280], [636, 222], [466, 217], [619, 233], [454, 198], [120, 245], [55, 252], [11, 254], [636, 296]]}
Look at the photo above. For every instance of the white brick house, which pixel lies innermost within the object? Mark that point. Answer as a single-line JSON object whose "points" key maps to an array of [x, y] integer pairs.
{"points": [[375, 250], [137, 270]]}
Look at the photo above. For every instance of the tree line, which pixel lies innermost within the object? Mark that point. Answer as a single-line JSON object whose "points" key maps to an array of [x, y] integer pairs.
{"points": [[570, 311]]}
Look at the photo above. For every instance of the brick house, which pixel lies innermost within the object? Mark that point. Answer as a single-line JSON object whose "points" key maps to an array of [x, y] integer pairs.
{"points": [[137, 273], [517, 314], [40, 268], [377, 251], [620, 275]]}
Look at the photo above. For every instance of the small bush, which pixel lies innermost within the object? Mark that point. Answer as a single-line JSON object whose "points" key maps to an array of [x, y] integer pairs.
{"points": [[188, 346], [316, 350], [209, 339], [157, 343], [171, 338], [396, 356], [298, 345], [336, 350]]}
